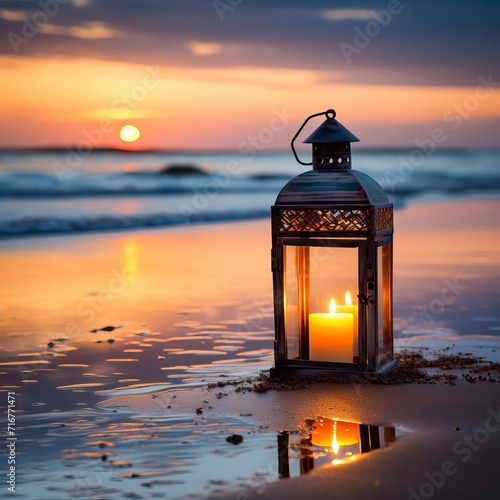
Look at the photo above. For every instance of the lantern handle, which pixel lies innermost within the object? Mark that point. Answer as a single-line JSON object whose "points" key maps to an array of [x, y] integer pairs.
{"points": [[329, 113]]}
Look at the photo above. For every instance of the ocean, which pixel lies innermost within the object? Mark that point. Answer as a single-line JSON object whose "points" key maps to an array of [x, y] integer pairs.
{"points": [[66, 191]]}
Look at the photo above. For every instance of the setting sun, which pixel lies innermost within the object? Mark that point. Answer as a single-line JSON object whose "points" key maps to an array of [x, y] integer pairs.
{"points": [[129, 133]]}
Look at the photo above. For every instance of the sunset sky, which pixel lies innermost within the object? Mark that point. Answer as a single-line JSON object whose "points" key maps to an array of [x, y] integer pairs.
{"points": [[198, 74]]}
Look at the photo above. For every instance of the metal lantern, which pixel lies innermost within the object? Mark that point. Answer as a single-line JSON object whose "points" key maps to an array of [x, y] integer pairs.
{"points": [[332, 263]]}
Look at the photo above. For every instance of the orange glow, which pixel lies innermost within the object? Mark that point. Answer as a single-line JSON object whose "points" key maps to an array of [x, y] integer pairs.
{"points": [[127, 279], [331, 433], [420, 240], [174, 105]]}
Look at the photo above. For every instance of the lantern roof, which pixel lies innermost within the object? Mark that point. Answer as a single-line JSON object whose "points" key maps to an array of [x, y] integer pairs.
{"points": [[331, 131], [332, 187]]}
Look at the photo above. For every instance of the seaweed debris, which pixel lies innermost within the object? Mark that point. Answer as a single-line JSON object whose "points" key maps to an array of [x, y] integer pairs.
{"points": [[411, 368]]}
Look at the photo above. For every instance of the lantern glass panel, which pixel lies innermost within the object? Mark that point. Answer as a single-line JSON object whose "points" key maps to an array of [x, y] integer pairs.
{"points": [[315, 272], [291, 298], [384, 300]]}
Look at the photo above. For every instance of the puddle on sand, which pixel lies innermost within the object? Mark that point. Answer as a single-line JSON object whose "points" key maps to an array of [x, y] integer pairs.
{"points": [[113, 456]]}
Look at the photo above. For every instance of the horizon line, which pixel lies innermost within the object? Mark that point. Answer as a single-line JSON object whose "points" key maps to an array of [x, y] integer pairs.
{"points": [[62, 149]]}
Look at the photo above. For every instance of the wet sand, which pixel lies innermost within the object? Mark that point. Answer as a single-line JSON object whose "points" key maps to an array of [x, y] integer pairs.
{"points": [[449, 449], [176, 309]]}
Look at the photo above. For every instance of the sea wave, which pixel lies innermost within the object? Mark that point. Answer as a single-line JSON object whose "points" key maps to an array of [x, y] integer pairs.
{"points": [[32, 184], [37, 202], [57, 225], [43, 184]]}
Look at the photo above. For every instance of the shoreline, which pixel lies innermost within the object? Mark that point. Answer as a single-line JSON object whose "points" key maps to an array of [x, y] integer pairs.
{"points": [[174, 211]]}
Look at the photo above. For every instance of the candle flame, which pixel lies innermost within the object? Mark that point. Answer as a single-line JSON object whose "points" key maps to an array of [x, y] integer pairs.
{"points": [[335, 444], [348, 300], [332, 306]]}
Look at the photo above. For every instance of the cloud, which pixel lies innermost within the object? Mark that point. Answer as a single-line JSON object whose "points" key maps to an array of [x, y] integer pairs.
{"points": [[90, 31], [348, 14], [11, 15], [443, 43], [204, 49]]}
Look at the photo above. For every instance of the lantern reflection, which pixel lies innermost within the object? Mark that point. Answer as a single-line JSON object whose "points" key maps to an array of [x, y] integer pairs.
{"points": [[328, 441]]}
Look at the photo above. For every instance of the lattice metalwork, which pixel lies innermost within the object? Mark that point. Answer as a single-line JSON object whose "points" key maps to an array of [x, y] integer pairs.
{"points": [[312, 220], [383, 218]]}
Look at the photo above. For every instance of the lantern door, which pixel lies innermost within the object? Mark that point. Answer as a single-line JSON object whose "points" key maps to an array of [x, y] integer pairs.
{"points": [[321, 311]]}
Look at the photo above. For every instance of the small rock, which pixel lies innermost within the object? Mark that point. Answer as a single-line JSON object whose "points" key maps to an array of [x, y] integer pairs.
{"points": [[109, 328], [235, 439], [105, 329], [110, 341], [199, 411], [182, 169], [51, 344]]}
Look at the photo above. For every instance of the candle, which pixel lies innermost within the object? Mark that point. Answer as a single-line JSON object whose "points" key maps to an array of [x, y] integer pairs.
{"points": [[330, 336], [349, 307]]}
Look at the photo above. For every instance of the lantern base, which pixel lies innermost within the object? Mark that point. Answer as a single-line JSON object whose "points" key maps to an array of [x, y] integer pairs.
{"points": [[344, 371]]}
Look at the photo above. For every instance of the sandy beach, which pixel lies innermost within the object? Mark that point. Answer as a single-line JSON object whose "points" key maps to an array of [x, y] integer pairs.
{"points": [[449, 448], [112, 339]]}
